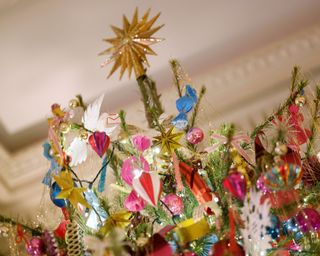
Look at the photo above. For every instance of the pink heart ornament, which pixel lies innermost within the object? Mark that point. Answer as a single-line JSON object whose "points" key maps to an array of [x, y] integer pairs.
{"points": [[99, 142]]}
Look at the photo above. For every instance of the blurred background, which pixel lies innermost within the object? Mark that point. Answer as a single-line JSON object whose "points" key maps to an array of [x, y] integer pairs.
{"points": [[243, 51]]}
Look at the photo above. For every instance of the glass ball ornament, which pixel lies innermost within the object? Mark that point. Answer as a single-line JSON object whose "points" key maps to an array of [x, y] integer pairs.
{"points": [[195, 135], [283, 176], [83, 134], [74, 103], [174, 203], [64, 127], [308, 220], [281, 149], [300, 100], [35, 246], [54, 191]]}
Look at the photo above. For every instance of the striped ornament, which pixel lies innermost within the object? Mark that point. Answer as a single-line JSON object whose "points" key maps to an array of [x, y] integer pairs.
{"points": [[148, 185]]}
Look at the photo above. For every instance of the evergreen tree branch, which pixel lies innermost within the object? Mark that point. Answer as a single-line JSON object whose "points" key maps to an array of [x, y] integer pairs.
{"points": [[176, 69], [196, 108], [150, 98], [34, 231], [313, 122], [281, 109]]}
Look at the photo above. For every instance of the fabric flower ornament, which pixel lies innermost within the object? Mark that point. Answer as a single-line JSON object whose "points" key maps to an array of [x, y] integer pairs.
{"points": [[132, 167], [69, 191], [296, 135], [184, 105], [146, 185], [134, 203], [99, 140], [141, 142]]}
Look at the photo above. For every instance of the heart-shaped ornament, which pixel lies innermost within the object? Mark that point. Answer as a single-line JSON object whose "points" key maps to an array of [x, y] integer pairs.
{"points": [[99, 141]]}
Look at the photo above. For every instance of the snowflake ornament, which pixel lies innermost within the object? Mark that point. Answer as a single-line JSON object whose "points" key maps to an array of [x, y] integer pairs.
{"points": [[256, 217]]}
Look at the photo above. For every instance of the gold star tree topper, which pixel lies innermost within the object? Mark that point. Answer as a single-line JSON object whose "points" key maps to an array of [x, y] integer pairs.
{"points": [[132, 44]]}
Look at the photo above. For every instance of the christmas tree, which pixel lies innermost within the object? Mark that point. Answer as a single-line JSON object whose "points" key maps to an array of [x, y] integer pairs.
{"points": [[126, 191]]}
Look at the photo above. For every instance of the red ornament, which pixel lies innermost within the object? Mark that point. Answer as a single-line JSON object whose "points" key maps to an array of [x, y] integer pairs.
{"points": [[99, 141], [236, 184], [158, 246], [60, 231], [148, 186], [280, 199], [223, 248], [197, 185], [187, 254]]}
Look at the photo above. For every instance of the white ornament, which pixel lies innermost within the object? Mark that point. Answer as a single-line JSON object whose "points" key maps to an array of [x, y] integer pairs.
{"points": [[256, 218]]}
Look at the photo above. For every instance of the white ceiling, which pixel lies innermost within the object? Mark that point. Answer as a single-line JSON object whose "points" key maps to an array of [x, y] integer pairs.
{"points": [[49, 49]]}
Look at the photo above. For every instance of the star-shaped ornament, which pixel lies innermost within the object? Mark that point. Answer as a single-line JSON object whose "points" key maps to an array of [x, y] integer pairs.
{"points": [[69, 191], [132, 44], [119, 219], [168, 141]]}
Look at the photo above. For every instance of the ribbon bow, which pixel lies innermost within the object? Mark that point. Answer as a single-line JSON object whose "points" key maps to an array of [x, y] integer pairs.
{"points": [[236, 140]]}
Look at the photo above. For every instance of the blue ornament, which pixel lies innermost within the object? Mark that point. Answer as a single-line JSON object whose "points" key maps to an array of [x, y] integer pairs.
{"points": [[180, 121], [97, 216], [290, 226], [54, 167], [192, 93], [103, 175], [274, 230], [54, 191], [184, 105]]}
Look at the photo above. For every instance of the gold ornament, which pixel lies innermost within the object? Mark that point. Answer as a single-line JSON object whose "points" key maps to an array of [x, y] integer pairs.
{"points": [[132, 44], [4, 230], [120, 220], [83, 134], [74, 103], [69, 191], [74, 239], [281, 149], [300, 100], [64, 127], [168, 141], [189, 230]]}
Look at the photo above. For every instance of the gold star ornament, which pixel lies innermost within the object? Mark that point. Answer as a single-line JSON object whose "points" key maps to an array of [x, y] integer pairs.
{"points": [[132, 44], [120, 219], [69, 191], [168, 141]]}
